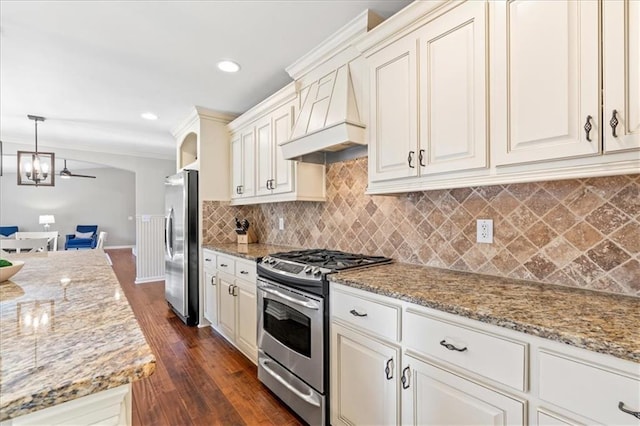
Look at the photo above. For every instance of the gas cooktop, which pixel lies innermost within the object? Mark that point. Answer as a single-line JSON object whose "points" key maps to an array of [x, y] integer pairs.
{"points": [[330, 259]]}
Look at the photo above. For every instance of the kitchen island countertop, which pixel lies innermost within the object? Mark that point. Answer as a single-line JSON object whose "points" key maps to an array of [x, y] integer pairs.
{"points": [[600, 322], [248, 251], [67, 331]]}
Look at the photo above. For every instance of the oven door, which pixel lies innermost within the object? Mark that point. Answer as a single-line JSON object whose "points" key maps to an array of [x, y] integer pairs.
{"points": [[290, 330]]}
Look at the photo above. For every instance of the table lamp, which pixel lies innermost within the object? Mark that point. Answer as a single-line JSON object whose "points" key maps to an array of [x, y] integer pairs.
{"points": [[47, 220]]}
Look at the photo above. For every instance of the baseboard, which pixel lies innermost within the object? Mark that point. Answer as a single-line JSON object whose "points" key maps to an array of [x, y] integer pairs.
{"points": [[148, 279], [118, 247]]}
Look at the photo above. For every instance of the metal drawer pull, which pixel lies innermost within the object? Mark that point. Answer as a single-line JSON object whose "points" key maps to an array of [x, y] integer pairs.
{"points": [[614, 123], [388, 369], [588, 127], [306, 304], [244, 272], [357, 314], [223, 265], [308, 398], [635, 414], [206, 259], [451, 347], [410, 159], [406, 374]]}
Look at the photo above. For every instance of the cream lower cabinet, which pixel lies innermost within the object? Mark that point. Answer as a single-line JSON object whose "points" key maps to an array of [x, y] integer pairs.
{"points": [[210, 289], [394, 362], [364, 373], [236, 309], [436, 396]]}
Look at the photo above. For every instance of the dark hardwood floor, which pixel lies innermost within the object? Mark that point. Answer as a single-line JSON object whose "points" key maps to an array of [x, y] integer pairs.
{"points": [[200, 378]]}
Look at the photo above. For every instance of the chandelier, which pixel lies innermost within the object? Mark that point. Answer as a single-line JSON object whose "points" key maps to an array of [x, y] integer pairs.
{"points": [[36, 168]]}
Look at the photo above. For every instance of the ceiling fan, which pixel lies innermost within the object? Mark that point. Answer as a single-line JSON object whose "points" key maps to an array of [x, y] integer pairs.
{"points": [[66, 173]]}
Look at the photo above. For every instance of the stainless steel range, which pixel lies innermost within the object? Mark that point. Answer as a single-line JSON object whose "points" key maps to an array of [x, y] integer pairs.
{"points": [[293, 325]]}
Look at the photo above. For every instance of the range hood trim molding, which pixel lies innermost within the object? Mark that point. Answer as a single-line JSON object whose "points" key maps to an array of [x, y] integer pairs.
{"points": [[342, 135]]}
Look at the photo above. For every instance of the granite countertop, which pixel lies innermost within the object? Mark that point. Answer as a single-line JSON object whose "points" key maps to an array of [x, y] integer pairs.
{"points": [[596, 321], [248, 251], [60, 341]]}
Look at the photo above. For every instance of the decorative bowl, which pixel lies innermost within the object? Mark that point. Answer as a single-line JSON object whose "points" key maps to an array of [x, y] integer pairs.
{"points": [[7, 272]]}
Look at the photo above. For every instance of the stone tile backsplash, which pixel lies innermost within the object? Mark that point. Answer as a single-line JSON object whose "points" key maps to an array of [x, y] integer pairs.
{"points": [[581, 232]]}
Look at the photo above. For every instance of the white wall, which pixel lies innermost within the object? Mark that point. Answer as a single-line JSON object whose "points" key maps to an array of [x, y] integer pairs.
{"points": [[107, 201], [149, 172]]}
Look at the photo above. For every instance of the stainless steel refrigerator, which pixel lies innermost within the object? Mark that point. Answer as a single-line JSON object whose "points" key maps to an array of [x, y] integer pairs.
{"points": [[181, 245]]}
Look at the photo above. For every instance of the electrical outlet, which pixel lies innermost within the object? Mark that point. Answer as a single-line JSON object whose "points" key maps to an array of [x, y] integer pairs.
{"points": [[484, 231], [281, 223]]}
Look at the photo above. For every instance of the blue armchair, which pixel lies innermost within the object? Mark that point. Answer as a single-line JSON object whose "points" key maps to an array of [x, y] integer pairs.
{"points": [[75, 241], [7, 231]]}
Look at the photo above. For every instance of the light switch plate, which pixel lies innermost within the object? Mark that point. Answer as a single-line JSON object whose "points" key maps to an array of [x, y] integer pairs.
{"points": [[484, 231]]}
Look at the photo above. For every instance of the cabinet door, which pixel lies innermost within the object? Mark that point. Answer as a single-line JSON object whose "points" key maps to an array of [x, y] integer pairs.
{"points": [[454, 90], [210, 298], [248, 163], [621, 56], [545, 83], [394, 111], [247, 323], [439, 397], [264, 153], [283, 172], [237, 165], [227, 306], [361, 392]]}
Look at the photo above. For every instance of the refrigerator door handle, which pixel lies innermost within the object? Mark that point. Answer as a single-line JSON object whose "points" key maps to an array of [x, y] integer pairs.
{"points": [[168, 233]]}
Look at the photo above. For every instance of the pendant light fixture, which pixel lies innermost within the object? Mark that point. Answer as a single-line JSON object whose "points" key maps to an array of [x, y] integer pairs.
{"points": [[36, 168]]}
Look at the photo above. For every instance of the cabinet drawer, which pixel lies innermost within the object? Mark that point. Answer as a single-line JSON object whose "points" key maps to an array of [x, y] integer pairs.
{"points": [[488, 355], [208, 260], [587, 389], [246, 270], [374, 316], [226, 264]]}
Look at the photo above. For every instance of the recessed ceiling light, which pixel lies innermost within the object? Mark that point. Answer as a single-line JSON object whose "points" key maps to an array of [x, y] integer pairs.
{"points": [[228, 66], [149, 116]]}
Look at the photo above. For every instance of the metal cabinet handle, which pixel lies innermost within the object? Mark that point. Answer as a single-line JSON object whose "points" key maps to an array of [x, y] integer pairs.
{"points": [[635, 414], [614, 123], [273, 181], [244, 272], [268, 183], [410, 159], [229, 290], [240, 189], [451, 347], [388, 369], [223, 265], [206, 259], [406, 374], [213, 280], [357, 314], [588, 127], [421, 158]]}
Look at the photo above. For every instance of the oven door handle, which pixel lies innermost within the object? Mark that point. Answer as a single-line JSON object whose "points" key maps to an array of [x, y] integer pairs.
{"points": [[308, 398], [305, 303]]}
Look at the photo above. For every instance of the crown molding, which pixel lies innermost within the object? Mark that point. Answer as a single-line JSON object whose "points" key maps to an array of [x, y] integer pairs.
{"points": [[200, 113], [286, 94], [336, 43]]}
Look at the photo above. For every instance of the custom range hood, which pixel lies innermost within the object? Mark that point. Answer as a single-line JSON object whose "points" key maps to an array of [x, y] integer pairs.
{"points": [[330, 118]]}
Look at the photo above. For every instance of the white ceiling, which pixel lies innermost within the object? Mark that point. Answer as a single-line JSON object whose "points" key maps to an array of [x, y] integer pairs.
{"points": [[91, 68]]}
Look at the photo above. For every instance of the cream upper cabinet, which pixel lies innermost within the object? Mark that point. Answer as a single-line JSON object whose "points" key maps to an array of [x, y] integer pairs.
{"points": [[544, 71], [453, 90], [621, 75], [428, 95], [393, 128], [243, 167], [274, 173]]}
